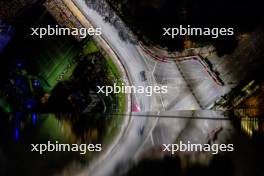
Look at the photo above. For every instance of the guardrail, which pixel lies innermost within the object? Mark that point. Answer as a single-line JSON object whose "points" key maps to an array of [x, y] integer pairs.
{"points": [[168, 59]]}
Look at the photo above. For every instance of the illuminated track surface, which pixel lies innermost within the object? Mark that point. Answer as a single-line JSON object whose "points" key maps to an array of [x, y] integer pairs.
{"points": [[134, 61]]}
